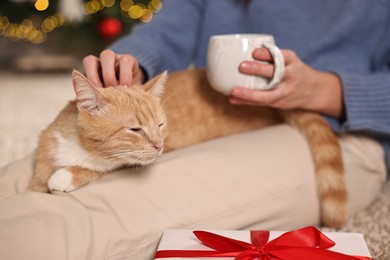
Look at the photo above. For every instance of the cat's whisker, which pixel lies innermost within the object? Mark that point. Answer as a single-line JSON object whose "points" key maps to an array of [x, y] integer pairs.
{"points": [[169, 96], [135, 155]]}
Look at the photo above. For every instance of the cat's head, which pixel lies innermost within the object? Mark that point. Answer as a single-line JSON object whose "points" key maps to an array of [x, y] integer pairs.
{"points": [[123, 125]]}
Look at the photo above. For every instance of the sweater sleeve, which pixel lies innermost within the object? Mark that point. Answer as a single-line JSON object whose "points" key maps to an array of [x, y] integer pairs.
{"points": [[168, 41], [367, 102]]}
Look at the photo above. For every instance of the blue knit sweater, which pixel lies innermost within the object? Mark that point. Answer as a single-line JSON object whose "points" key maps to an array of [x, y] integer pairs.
{"points": [[348, 37]]}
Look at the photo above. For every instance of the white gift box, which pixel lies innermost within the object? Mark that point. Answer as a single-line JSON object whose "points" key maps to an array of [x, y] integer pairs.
{"points": [[346, 243]]}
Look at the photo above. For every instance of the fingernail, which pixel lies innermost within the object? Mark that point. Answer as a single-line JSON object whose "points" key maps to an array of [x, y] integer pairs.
{"points": [[245, 65], [236, 92], [259, 52]]}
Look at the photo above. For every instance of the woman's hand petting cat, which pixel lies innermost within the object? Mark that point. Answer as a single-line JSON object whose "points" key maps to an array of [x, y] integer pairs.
{"points": [[302, 87], [111, 69]]}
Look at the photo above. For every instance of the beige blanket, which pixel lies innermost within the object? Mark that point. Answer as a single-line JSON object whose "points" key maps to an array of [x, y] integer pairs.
{"points": [[28, 103]]}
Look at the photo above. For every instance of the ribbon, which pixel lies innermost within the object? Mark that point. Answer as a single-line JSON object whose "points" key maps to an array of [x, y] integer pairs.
{"points": [[304, 244]]}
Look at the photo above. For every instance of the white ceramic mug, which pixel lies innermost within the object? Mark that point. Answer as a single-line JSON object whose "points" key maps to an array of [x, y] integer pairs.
{"points": [[226, 52]]}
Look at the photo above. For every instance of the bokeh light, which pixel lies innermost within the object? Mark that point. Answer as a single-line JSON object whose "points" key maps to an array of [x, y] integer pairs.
{"points": [[35, 29], [41, 5]]}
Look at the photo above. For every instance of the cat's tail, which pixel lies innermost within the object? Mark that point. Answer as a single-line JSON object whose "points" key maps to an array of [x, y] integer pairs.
{"points": [[329, 167]]}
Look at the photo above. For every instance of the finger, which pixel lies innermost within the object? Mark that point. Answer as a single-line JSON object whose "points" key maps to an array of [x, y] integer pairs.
{"points": [[260, 97], [127, 67], [262, 54], [107, 61], [237, 101], [289, 56], [91, 66], [256, 68]]}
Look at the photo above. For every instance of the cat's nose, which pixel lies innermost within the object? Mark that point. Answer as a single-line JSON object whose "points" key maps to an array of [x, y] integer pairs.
{"points": [[158, 146]]}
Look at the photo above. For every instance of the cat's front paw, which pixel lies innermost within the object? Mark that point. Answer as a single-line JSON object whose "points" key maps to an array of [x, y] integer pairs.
{"points": [[61, 180]]}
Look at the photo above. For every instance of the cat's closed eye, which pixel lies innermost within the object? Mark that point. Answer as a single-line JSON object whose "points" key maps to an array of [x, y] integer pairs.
{"points": [[161, 124], [136, 129]]}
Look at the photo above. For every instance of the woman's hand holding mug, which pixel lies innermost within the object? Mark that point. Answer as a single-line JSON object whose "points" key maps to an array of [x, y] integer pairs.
{"points": [[254, 75]]}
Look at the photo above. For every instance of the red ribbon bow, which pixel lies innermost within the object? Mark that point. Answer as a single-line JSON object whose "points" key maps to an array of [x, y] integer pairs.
{"points": [[305, 243]]}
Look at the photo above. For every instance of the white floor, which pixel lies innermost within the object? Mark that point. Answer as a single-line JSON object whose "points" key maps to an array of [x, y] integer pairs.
{"points": [[28, 103]]}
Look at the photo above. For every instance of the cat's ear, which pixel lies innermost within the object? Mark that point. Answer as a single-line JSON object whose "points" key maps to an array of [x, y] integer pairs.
{"points": [[88, 97], [156, 85]]}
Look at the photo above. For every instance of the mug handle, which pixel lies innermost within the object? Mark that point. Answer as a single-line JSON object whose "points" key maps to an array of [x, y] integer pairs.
{"points": [[278, 62]]}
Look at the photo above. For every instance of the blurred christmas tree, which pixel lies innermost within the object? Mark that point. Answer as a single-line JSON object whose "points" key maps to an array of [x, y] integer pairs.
{"points": [[71, 26], [33, 20]]}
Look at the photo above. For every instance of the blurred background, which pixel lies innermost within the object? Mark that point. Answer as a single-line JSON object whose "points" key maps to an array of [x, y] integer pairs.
{"points": [[54, 35], [41, 41]]}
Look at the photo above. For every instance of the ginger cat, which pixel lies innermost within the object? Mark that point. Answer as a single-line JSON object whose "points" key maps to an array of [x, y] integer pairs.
{"points": [[110, 128]]}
